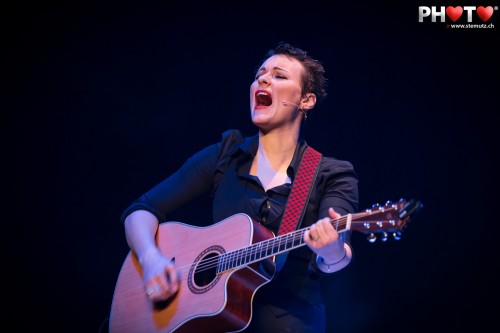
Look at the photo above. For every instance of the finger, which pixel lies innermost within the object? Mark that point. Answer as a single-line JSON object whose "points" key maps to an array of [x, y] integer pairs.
{"points": [[324, 227], [333, 213], [172, 279], [153, 289], [309, 236], [315, 232], [158, 288], [326, 231]]}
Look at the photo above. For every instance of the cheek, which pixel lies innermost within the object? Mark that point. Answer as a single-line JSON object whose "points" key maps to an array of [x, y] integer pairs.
{"points": [[252, 91], [253, 87]]}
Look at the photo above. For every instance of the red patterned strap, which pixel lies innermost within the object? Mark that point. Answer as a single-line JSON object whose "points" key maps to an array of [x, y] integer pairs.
{"points": [[299, 195]]}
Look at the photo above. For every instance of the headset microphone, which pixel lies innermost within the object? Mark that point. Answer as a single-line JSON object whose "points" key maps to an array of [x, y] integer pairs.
{"points": [[288, 103], [301, 109]]}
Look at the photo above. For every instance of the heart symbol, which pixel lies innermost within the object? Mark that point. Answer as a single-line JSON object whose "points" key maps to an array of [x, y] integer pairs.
{"points": [[484, 13], [454, 13]]}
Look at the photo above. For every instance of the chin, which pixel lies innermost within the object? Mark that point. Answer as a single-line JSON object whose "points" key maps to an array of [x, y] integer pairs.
{"points": [[259, 120]]}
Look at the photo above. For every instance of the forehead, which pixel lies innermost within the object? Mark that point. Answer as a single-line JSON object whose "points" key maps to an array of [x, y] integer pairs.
{"points": [[282, 61]]}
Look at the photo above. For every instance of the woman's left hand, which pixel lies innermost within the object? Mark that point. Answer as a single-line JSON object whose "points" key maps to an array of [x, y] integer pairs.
{"points": [[322, 237]]}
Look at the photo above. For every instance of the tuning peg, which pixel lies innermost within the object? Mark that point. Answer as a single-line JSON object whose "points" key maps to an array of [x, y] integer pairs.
{"points": [[384, 236], [397, 235], [371, 237], [376, 205], [388, 203]]}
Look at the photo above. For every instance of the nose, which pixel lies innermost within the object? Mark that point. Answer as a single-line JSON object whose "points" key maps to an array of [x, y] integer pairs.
{"points": [[263, 80]]}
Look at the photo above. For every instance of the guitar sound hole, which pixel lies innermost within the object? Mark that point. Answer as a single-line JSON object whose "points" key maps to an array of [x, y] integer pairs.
{"points": [[206, 271]]}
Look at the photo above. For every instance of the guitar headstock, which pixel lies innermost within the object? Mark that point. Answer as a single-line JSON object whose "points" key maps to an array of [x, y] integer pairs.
{"points": [[390, 218]]}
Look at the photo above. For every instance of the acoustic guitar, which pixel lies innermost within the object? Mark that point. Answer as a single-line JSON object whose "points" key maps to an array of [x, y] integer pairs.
{"points": [[222, 266]]}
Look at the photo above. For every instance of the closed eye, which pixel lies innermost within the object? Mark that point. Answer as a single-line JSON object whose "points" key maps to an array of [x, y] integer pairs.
{"points": [[277, 76], [276, 73]]}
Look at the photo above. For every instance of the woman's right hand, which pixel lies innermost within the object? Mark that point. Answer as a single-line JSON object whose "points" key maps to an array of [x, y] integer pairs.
{"points": [[160, 276]]}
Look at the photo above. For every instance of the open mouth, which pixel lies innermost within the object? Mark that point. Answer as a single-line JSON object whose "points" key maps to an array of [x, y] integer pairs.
{"points": [[263, 98]]}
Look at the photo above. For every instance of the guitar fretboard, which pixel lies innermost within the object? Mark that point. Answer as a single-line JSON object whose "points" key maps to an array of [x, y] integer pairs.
{"points": [[272, 247]]}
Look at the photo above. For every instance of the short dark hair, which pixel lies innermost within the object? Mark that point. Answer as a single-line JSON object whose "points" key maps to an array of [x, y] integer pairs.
{"points": [[313, 79]]}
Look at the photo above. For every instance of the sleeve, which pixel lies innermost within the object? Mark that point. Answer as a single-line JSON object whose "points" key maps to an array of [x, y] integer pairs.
{"points": [[341, 193], [193, 179], [340, 189]]}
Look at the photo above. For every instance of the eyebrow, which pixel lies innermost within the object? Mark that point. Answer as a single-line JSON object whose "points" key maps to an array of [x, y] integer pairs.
{"points": [[274, 68]]}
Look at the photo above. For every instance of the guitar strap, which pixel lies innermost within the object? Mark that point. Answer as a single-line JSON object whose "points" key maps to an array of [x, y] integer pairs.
{"points": [[299, 195]]}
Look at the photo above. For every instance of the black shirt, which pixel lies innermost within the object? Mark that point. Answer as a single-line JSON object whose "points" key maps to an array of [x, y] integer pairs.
{"points": [[222, 171]]}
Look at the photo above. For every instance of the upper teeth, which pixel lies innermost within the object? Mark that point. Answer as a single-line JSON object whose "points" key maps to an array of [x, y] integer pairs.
{"points": [[261, 93]]}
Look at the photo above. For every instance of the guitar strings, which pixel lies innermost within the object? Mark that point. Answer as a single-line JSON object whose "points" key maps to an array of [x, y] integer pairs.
{"points": [[236, 257], [239, 256]]}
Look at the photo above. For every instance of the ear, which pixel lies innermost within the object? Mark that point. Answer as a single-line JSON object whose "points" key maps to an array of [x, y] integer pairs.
{"points": [[308, 101]]}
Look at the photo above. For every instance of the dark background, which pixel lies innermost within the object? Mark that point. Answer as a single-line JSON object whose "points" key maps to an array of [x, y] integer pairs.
{"points": [[102, 101]]}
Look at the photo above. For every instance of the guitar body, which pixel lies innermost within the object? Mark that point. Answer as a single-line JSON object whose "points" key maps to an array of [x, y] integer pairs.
{"points": [[206, 301], [220, 269]]}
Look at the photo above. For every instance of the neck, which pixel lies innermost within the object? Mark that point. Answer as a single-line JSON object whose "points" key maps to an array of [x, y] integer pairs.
{"points": [[278, 148], [273, 157]]}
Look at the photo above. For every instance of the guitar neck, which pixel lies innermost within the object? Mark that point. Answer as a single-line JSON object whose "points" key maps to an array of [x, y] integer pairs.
{"points": [[274, 246]]}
